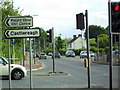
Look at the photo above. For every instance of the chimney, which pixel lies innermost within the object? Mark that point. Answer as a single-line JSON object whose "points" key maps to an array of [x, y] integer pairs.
{"points": [[74, 36]]}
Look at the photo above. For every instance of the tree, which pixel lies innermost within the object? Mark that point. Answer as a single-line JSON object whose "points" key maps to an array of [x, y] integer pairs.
{"points": [[41, 41], [60, 44], [103, 40], [8, 10], [95, 30]]}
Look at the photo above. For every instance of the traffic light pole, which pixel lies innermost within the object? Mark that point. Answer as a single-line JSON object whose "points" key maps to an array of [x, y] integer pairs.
{"points": [[53, 42], [110, 43], [87, 31]]}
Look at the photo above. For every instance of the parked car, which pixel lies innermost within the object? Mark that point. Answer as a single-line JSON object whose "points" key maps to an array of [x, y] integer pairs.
{"points": [[115, 52], [83, 54], [42, 56], [57, 55], [17, 71], [50, 54], [70, 54]]}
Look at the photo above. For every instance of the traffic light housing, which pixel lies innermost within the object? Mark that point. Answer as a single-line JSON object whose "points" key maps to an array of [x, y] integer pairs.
{"points": [[80, 21], [115, 17], [49, 35], [115, 38]]}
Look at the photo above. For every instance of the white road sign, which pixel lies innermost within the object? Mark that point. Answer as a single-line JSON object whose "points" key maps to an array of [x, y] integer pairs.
{"points": [[22, 33], [19, 21]]}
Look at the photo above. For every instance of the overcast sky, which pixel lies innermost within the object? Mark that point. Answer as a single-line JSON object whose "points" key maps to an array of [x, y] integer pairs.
{"points": [[61, 14]]}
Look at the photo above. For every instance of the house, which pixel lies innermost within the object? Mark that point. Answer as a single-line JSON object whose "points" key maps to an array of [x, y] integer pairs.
{"points": [[77, 42]]}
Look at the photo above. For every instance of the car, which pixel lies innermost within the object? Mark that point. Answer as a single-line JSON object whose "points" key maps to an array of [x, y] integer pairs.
{"points": [[17, 71], [50, 54], [57, 55], [83, 54], [70, 54], [116, 52], [42, 56]]}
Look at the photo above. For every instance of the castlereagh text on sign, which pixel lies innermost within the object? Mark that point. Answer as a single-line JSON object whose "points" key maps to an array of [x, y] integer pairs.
{"points": [[22, 33]]}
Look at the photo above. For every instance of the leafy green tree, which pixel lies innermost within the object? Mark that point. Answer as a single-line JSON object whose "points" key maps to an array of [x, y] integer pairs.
{"points": [[95, 30], [41, 42], [7, 9], [60, 43], [103, 40]]}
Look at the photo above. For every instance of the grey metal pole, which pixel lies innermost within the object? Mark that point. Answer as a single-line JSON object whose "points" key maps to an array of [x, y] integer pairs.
{"points": [[31, 85], [97, 48], [13, 56], [110, 43], [53, 49], [34, 49], [87, 31], [9, 64], [23, 52]]}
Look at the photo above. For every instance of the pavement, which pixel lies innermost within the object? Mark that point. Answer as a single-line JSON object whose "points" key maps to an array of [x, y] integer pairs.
{"points": [[35, 64]]}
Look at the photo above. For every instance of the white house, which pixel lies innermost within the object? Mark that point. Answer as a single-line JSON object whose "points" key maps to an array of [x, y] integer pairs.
{"points": [[77, 42]]}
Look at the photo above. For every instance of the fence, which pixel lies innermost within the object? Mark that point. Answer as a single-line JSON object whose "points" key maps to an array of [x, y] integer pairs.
{"points": [[104, 59]]}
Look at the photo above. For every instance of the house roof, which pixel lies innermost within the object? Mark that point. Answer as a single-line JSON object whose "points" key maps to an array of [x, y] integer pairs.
{"points": [[73, 40]]}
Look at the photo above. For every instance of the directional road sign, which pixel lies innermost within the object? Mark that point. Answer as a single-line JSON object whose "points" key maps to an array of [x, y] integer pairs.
{"points": [[22, 33], [18, 21]]}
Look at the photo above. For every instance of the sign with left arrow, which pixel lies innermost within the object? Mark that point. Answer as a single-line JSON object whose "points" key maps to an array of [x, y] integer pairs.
{"points": [[18, 21], [22, 33]]}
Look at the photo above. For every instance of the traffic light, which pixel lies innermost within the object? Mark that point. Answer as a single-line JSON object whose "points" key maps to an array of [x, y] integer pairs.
{"points": [[49, 35], [80, 21], [117, 37], [115, 17]]}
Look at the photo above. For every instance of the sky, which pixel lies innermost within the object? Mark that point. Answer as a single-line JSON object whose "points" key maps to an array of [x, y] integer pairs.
{"points": [[61, 14]]}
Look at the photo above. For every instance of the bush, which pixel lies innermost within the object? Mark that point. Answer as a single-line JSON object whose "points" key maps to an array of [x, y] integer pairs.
{"points": [[62, 51]]}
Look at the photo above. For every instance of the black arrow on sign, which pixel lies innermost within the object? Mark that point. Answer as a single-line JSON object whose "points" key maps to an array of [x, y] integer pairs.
{"points": [[7, 22], [6, 34]]}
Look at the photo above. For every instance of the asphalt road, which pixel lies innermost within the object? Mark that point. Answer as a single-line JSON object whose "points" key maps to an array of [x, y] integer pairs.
{"points": [[70, 73]]}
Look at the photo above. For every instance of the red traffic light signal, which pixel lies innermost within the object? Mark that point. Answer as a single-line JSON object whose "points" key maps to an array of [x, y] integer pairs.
{"points": [[117, 8]]}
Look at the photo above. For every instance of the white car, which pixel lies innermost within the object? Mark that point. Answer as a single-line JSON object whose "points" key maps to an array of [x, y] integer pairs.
{"points": [[17, 71], [70, 54], [83, 54]]}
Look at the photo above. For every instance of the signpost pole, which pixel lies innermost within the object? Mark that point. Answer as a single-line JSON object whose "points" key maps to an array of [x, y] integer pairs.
{"points": [[9, 64], [13, 56], [31, 86], [23, 51]]}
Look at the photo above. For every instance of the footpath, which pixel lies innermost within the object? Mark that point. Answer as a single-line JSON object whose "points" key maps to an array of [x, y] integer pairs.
{"points": [[35, 64]]}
